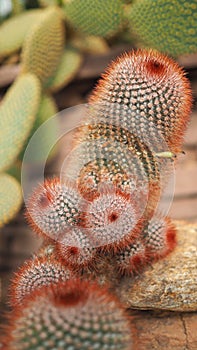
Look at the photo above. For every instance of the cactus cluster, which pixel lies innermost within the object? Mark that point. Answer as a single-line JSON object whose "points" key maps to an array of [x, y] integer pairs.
{"points": [[107, 213], [140, 105]]}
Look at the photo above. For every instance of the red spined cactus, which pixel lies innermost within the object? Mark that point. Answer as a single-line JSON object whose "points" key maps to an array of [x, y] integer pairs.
{"points": [[35, 273], [159, 237], [73, 315], [153, 91], [53, 208]]}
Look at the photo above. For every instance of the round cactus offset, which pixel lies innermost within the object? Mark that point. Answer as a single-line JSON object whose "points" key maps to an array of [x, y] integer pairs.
{"points": [[54, 208], [35, 273], [159, 237], [75, 315], [168, 26]]}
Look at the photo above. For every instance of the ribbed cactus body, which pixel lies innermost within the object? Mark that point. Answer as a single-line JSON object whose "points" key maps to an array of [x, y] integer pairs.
{"points": [[75, 315], [149, 95], [44, 45], [17, 114], [168, 26], [95, 17], [14, 31], [67, 68], [35, 273], [159, 237], [53, 210], [11, 198]]}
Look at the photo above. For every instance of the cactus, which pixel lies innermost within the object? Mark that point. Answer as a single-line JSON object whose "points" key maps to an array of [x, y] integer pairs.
{"points": [[47, 109], [46, 37], [90, 44], [80, 253], [112, 219], [53, 209], [67, 316], [101, 18], [66, 70], [168, 26], [155, 95], [11, 198], [46, 3], [159, 237], [35, 273], [17, 6], [18, 110], [14, 31], [131, 259]]}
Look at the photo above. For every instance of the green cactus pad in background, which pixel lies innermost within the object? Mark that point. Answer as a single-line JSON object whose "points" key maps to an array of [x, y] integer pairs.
{"points": [[44, 45], [73, 315], [67, 68], [46, 110], [14, 30], [10, 198], [17, 6], [168, 26], [17, 114], [90, 44], [46, 3], [95, 17]]}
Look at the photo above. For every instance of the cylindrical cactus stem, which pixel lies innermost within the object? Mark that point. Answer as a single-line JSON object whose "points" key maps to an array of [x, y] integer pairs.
{"points": [[74, 315], [149, 94], [54, 207], [159, 237], [35, 273]]}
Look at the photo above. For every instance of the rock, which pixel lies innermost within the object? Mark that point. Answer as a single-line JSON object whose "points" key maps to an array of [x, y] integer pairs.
{"points": [[169, 284]]}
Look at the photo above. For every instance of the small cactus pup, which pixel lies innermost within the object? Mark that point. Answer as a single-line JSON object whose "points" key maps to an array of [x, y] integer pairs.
{"points": [[112, 218], [53, 209], [73, 315], [77, 251], [132, 259], [35, 273], [168, 26], [159, 237], [153, 93]]}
